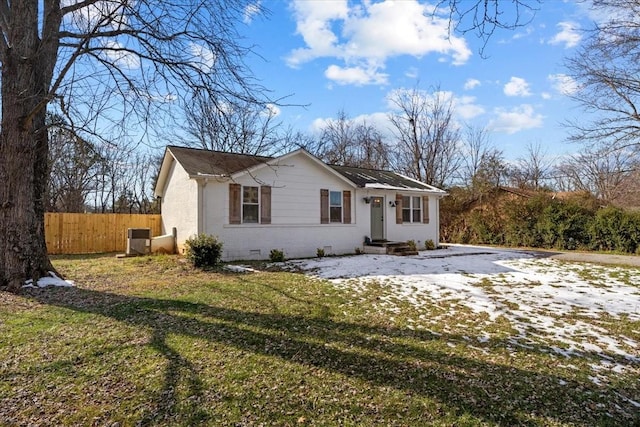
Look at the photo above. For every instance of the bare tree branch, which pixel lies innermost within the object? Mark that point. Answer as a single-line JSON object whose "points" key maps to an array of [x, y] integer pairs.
{"points": [[606, 70], [484, 17], [427, 137]]}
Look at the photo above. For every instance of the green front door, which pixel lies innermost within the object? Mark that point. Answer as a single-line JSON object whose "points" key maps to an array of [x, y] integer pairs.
{"points": [[377, 218]]}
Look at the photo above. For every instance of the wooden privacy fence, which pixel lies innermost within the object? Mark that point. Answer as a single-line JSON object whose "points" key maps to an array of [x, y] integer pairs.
{"points": [[78, 233]]}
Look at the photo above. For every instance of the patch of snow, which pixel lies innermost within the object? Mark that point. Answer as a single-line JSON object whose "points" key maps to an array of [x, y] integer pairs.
{"points": [[547, 302], [240, 269], [596, 380], [483, 339], [52, 280], [633, 402]]}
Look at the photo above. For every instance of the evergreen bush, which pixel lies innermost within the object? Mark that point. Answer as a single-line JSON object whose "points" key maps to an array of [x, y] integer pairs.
{"points": [[276, 255], [203, 251]]}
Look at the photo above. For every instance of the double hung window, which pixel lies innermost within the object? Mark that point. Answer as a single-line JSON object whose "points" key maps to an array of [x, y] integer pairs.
{"points": [[250, 205], [411, 209]]}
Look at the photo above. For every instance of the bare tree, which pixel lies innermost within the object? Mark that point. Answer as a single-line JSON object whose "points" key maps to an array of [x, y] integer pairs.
{"points": [[373, 151], [475, 148], [124, 181], [114, 177], [336, 140], [73, 164], [348, 142], [427, 136], [146, 169], [603, 172], [90, 59], [236, 125], [532, 171], [491, 172], [135, 192], [606, 77], [291, 139]]}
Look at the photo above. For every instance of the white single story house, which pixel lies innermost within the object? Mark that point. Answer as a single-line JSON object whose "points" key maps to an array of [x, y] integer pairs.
{"points": [[295, 203]]}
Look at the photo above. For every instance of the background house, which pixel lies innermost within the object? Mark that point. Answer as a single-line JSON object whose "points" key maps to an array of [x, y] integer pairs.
{"points": [[295, 203]]}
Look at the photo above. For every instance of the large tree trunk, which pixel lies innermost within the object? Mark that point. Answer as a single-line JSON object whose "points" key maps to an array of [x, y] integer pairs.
{"points": [[23, 154], [23, 251]]}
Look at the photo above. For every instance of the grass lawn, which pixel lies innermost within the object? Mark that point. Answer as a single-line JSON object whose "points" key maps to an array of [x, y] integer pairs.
{"points": [[150, 341]]}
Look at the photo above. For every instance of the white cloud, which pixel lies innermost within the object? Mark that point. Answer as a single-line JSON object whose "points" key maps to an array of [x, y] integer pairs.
{"points": [[471, 84], [121, 57], [563, 83], [251, 10], [357, 76], [568, 35], [313, 23], [272, 110], [318, 125], [391, 28], [467, 108], [412, 73], [464, 107], [545, 95], [367, 35], [527, 32], [97, 14], [378, 120], [517, 119], [203, 57], [517, 87]]}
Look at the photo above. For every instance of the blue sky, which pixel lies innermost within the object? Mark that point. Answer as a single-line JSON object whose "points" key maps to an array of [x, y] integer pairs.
{"points": [[350, 55]]}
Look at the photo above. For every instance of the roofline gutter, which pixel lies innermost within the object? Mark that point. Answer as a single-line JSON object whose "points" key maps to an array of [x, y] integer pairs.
{"points": [[435, 191]]}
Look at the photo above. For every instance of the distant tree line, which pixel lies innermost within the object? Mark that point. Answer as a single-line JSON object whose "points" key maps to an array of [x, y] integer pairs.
{"points": [[86, 176], [424, 142]]}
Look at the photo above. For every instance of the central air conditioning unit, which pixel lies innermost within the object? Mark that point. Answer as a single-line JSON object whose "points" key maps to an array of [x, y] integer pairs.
{"points": [[138, 241]]}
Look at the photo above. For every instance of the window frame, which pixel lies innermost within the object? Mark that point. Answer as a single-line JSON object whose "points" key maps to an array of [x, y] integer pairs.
{"points": [[243, 203], [340, 206], [415, 210], [409, 210]]}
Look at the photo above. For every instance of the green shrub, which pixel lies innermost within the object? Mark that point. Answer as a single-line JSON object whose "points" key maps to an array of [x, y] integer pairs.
{"points": [[203, 251], [412, 245], [320, 252], [563, 225], [429, 245], [495, 217], [358, 251], [521, 220], [486, 226], [276, 255], [613, 229]]}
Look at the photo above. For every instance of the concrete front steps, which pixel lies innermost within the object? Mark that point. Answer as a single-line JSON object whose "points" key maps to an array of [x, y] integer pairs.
{"points": [[389, 248]]}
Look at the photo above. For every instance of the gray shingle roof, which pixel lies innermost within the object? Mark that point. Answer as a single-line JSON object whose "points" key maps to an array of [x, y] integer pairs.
{"points": [[380, 178], [206, 162]]}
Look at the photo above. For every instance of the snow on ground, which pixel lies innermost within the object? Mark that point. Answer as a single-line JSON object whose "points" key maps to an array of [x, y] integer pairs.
{"points": [[43, 282], [557, 306], [239, 268]]}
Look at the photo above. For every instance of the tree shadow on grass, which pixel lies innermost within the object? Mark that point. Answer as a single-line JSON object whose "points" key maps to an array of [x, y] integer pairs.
{"points": [[388, 357]]}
